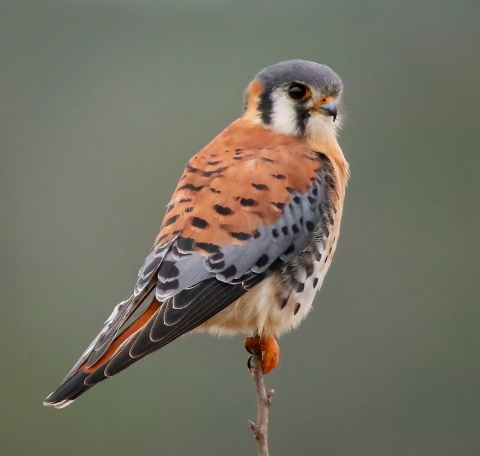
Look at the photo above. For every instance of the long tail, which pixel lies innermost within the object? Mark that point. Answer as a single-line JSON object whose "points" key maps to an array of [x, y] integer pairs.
{"points": [[159, 324], [83, 377]]}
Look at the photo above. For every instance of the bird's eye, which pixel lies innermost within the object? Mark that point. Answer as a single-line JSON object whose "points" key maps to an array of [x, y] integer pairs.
{"points": [[298, 92]]}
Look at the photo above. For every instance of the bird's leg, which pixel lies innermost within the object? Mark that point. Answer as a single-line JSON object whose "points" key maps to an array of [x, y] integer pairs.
{"points": [[269, 348], [271, 352]]}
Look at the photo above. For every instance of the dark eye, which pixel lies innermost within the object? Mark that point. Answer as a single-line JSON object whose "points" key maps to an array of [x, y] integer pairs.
{"points": [[298, 92]]}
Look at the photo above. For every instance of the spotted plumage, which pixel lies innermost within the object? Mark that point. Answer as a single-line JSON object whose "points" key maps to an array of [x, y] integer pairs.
{"points": [[248, 235]]}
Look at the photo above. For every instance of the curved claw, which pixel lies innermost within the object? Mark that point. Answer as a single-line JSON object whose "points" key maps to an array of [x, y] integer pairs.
{"points": [[252, 343]]}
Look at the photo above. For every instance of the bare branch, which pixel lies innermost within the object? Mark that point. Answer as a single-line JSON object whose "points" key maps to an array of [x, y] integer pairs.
{"points": [[264, 399]]}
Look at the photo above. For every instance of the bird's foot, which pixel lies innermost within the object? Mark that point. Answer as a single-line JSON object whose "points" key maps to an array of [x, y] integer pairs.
{"points": [[268, 347]]}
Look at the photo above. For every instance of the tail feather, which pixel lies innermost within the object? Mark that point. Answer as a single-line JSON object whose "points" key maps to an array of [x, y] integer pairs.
{"points": [[85, 375], [157, 326], [68, 391]]}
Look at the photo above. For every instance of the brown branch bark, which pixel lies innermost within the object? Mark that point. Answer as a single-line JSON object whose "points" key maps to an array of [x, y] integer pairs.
{"points": [[264, 399]]}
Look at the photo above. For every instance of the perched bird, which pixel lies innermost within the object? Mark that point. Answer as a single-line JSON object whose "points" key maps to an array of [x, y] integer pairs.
{"points": [[248, 236]]}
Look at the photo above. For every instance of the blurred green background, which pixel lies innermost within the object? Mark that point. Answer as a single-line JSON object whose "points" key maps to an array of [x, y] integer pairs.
{"points": [[96, 98]]}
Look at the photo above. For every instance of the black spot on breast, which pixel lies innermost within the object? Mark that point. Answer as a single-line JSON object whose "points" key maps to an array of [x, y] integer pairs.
{"points": [[214, 190], [256, 234], [315, 191], [296, 199], [191, 187], [275, 233], [248, 202], [295, 228], [290, 250], [279, 176], [262, 261], [311, 200], [223, 210], [229, 272], [198, 222], [171, 220], [278, 205], [285, 230], [260, 186], [310, 225], [297, 308], [240, 236], [315, 282]]}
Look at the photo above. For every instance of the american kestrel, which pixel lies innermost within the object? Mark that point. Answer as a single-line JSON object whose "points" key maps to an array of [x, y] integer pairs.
{"points": [[248, 236]]}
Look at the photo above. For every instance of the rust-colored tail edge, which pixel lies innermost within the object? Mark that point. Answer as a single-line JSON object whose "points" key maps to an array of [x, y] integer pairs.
{"points": [[76, 385]]}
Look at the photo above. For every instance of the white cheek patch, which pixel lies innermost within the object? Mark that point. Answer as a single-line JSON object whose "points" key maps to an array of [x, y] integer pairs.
{"points": [[284, 117]]}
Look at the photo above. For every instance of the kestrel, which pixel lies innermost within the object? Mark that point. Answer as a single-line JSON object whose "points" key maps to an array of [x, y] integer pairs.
{"points": [[249, 233]]}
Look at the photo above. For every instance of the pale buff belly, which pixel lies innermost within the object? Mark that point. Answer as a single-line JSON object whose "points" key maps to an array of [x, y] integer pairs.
{"points": [[261, 312]]}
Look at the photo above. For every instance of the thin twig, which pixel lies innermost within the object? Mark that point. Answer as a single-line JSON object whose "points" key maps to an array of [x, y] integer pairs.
{"points": [[264, 399]]}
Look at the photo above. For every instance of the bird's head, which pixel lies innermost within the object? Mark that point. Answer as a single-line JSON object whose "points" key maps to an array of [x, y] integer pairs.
{"points": [[295, 97]]}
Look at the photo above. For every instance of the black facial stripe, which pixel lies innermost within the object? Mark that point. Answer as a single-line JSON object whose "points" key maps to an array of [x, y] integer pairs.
{"points": [[303, 114], [265, 106]]}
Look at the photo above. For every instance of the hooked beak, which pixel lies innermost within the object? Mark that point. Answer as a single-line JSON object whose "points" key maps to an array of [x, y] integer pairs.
{"points": [[329, 109]]}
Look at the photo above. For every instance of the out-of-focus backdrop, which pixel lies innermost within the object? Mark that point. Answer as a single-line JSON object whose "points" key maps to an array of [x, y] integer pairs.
{"points": [[101, 105]]}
